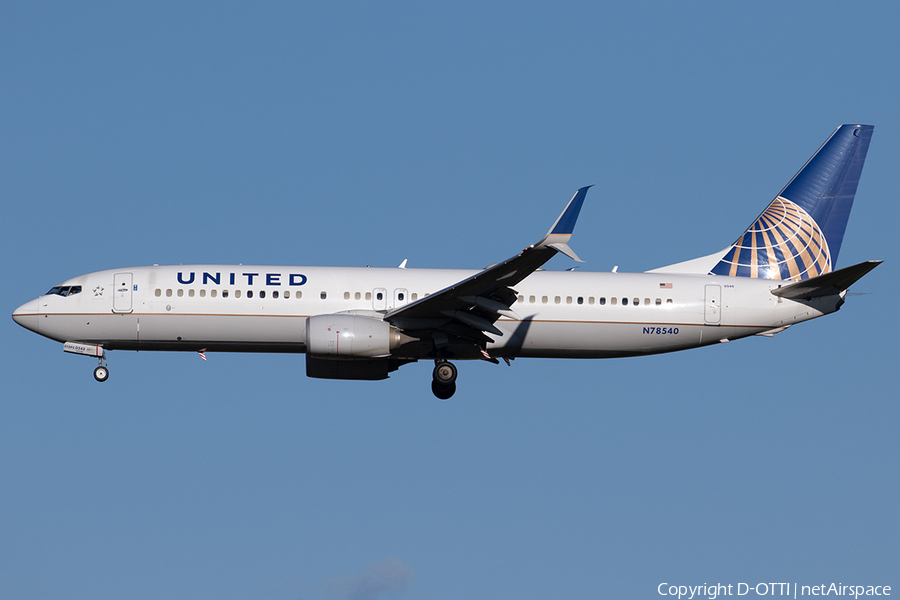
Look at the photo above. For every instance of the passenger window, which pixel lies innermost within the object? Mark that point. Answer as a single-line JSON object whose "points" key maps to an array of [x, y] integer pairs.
{"points": [[580, 300], [275, 294], [262, 293], [158, 292], [520, 298], [624, 302], [191, 293], [224, 293], [414, 297], [531, 300], [357, 296], [636, 301], [378, 296], [168, 293], [202, 293], [669, 301], [591, 300], [324, 295], [181, 293], [556, 300], [237, 293], [602, 300], [544, 300], [287, 293], [368, 295], [646, 301], [299, 295], [212, 293], [400, 296], [658, 301], [249, 293], [346, 295]]}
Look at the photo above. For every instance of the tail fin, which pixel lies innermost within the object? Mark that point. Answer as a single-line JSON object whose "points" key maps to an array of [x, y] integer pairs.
{"points": [[799, 235]]}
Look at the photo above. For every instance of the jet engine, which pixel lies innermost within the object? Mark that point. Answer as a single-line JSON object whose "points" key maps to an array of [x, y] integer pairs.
{"points": [[345, 336]]}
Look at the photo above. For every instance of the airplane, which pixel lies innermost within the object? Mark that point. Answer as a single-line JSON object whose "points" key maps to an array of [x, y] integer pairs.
{"points": [[365, 323]]}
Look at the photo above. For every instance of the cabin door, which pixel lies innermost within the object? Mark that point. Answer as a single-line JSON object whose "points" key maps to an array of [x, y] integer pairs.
{"points": [[122, 293], [713, 312]]}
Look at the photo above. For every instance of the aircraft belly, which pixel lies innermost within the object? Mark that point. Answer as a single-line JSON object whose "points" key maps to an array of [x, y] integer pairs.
{"points": [[222, 331], [595, 340], [608, 340]]}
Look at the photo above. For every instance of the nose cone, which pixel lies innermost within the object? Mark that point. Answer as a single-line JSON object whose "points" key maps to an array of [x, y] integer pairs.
{"points": [[27, 315]]}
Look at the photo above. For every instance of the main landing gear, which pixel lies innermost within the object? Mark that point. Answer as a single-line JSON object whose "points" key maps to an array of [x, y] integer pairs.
{"points": [[444, 379]]}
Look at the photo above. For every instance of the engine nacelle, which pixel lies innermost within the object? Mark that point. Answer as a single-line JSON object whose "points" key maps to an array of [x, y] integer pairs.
{"points": [[341, 336]]}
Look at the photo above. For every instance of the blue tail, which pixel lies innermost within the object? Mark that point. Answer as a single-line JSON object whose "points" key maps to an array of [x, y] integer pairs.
{"points": [[799, 235]]}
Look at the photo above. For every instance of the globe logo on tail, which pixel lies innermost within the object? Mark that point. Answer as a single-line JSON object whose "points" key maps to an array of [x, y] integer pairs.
{"points": [[783, 243]]}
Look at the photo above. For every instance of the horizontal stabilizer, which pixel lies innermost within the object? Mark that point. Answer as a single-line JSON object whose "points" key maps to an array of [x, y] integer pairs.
{"points": [[829, 284]]}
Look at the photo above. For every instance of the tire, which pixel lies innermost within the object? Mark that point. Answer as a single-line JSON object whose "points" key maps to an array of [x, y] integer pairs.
{"points": [[444, 373], [443, 392], [101, 374]]}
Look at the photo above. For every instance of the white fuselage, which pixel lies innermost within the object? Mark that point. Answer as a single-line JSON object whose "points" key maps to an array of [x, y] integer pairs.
{"points": [[264, 309]]}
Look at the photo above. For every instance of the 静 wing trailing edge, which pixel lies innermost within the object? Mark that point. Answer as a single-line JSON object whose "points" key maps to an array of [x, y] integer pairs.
{"points": [[830, 284], [470, 307]]}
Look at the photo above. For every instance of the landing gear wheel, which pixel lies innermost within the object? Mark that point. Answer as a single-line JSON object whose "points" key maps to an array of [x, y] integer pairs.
{"points": [[101, 373], [444, 374], [443, 392]]}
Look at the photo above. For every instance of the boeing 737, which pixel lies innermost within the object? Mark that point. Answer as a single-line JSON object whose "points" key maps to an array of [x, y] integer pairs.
{"points": [[364, 323]]}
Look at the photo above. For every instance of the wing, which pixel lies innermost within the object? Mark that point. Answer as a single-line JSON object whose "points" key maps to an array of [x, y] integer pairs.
{"points": [[469, 308]]}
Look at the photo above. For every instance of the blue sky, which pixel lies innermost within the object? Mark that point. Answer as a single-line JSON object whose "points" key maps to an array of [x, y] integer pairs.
{"points": [[450, 135]]}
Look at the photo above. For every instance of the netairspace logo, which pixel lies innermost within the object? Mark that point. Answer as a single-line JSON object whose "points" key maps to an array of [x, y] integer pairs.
{"points": [[713, 591]]}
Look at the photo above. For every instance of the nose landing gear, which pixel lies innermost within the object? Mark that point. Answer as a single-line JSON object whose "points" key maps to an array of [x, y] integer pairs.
{"points": [[101, 373], [444, 379]]}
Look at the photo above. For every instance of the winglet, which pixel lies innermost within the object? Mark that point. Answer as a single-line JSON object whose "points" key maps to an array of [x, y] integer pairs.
{"points": [[559, 235]]}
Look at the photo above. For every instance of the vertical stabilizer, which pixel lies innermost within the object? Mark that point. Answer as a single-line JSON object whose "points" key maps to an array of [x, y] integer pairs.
{"points": [[799, 235]]}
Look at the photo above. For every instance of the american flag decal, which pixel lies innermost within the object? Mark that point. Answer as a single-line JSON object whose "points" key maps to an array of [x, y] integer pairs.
{"points": [[203, 354], [665, 286]]}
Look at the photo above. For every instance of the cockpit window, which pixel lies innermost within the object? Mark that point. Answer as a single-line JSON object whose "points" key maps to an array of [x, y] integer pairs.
{"points": [[64, 290]]}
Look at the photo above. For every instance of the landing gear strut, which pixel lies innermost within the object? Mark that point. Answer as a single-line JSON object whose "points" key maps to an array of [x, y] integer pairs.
{"points": [[444, 384]]}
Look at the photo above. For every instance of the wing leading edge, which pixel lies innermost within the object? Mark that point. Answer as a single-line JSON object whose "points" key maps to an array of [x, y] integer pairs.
{"points": [[468, 309]]}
